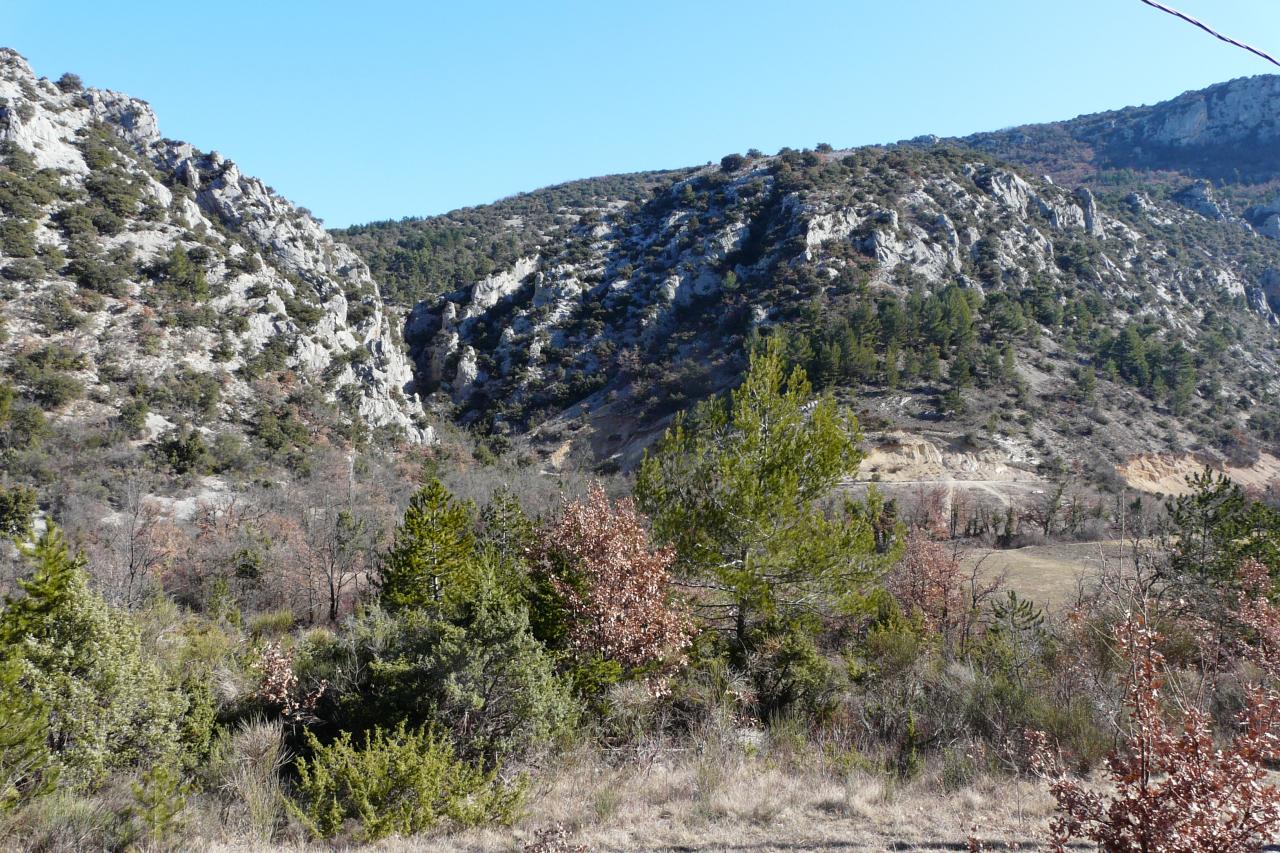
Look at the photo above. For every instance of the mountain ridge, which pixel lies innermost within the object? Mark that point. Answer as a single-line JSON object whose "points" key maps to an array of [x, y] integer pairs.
{"points": [[1142, 253]]}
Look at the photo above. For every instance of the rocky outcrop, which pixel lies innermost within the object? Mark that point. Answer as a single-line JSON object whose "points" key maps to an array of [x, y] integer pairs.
{"points": [[1089, 208], [1199, 197], [1225, 132], [264, 260], [1242, 110], [562, 319]]}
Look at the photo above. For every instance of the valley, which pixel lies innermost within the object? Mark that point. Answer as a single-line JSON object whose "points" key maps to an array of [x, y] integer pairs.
{"points": [[889, 497]]}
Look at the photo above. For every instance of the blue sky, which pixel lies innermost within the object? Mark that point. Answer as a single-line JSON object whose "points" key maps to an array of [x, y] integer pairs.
{"points": [[378, 110]]}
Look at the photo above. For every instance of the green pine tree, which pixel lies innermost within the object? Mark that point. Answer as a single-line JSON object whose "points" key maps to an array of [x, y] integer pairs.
{"points": [[27, 769], [109, 708], [433, 551], [736, 488]]}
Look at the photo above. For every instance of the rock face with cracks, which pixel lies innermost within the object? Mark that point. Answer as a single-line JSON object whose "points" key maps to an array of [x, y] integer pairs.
{"points": [[157, 259]]}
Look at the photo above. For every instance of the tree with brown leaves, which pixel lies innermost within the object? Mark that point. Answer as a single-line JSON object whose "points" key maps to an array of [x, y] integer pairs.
{"points": [[929, 580], [616, 588]]}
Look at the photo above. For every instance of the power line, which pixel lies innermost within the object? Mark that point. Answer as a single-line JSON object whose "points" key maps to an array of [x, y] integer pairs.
{"points": [[1211, 31]]}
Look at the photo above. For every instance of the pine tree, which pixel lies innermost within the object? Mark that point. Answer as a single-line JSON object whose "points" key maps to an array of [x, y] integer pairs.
{"points": [[1180, 376], [1008, 364], [930, 366], [959, 314], [433, 551], [736, 490], [960, 372], [1086, 384], [1130, 355], [108, 708], [26, 766], [892, 377]]}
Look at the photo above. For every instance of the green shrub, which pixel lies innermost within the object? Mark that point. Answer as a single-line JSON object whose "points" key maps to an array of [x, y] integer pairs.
{"points": [[69, 83], [26, 766], [27, 427], [183, 451], [17, 238], [789, 671], [133, 417], [95, 273], [160, 798], [109, 708], [479, 674], [180, 277], [23, 269], [54, 390], [56, 313], [17, 508], [303, 312], [399, 782]]}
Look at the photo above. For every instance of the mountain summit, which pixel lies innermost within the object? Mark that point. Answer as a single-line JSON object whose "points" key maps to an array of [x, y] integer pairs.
{"points": [[1227, 132]]}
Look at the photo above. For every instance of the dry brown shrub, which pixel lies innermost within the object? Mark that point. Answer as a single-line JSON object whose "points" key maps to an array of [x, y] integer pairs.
{"points": [[617, 589], [1173, 790]]}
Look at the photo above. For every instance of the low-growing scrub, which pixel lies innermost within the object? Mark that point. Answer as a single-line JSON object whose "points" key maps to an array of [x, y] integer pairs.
{"points": [[398, 782], [279, 661]]}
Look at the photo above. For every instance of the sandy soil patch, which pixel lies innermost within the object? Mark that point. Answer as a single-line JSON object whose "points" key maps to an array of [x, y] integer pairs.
{"points": [[1167, 474]]}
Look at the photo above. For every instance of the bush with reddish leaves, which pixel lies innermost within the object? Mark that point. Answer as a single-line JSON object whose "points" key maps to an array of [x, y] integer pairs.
{"points": [[929, 580], [615, 588], [1173, 789]]}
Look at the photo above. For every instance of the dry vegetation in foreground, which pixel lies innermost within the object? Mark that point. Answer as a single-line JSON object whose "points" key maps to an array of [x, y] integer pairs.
{"points": [[721, 663], [727, 798]]}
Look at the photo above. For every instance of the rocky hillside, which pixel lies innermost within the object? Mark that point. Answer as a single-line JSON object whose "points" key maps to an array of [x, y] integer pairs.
{"points": [[1228, 132], [421, 258], [1015, 322], [150, 288]]}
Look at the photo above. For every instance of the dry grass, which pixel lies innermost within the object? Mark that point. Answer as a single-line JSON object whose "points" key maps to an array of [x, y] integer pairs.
{"points": [[727, 802], [1048, 574], [727, 799]]}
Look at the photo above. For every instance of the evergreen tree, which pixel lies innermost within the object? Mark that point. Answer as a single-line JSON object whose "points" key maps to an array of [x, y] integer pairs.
{"points": [[893, 322], [736, 490], [108, 708], [930, 365], [1086, 384], [892, 377], [827, 364], [471, 666], [432, 554], [1180, 376], [26, 765], [1217, 527], [1008, 364], [1130, 355], [960, 372], [933, 322], [17, 506], [959, 319]]}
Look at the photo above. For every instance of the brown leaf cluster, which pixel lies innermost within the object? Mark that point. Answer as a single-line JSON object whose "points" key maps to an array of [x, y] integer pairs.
{"points": [[617, 589], [1173, 789], [279, 683], [929, 580]]}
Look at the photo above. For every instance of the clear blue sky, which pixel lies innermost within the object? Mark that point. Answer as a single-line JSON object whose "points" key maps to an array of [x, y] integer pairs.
{"points": [[378, 110]]}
